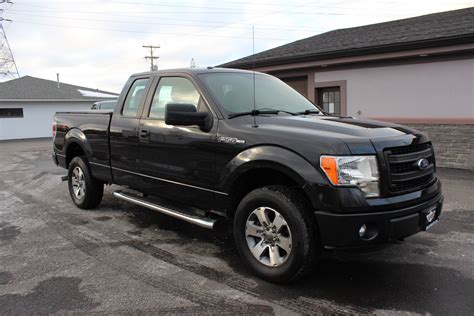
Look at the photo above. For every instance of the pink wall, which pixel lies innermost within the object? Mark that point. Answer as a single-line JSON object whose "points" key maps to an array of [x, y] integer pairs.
{"points": [[435, 89]]}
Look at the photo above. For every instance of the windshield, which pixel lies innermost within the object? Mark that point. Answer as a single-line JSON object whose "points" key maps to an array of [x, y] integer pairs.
{"points": [[235, 93]]}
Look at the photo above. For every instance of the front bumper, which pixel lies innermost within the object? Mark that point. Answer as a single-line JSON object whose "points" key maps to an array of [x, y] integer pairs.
{"points": [[342, 230]]}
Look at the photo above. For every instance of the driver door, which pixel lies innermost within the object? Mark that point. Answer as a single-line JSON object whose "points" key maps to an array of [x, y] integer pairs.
{"points": [[178, 162]]}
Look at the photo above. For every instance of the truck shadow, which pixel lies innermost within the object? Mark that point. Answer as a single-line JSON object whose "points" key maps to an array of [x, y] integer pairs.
{"points": [[355, 282], [383, 285]]}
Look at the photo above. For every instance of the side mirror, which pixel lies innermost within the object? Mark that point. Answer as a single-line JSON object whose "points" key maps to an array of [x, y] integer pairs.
{"points": [[185, 114]]}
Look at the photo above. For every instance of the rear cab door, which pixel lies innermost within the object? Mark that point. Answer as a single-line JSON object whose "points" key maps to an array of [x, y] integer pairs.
{"points": [[124, 131]]}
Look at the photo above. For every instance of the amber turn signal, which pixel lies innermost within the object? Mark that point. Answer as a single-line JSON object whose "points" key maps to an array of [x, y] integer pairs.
{"points": [[329, 166]]}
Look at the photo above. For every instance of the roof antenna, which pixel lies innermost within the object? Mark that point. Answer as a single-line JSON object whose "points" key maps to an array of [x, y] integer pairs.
{"points": [[253, 70]]}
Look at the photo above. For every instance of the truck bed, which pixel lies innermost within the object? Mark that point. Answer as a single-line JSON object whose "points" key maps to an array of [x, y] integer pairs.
{"points": [[93, 127]]}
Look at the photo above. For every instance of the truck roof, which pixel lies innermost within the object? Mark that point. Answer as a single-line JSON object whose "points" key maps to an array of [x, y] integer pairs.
{"points": [[192, 71]]}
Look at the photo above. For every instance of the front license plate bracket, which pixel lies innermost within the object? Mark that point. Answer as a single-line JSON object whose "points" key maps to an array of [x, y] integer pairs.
{"points": [[429, 217]]}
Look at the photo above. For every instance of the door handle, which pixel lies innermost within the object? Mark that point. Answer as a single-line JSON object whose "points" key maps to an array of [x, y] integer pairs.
{"points": [[144, 133]]}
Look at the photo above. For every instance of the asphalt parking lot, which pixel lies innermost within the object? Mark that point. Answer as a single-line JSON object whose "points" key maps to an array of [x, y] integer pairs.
{"points": [[120, 258]]}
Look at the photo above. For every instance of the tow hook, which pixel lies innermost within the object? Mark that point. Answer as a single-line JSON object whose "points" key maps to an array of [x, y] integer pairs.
{"points": [[64, 178]]}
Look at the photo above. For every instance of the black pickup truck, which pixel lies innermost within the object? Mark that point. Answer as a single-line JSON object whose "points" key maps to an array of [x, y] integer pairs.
{"points": [[200, 144]]}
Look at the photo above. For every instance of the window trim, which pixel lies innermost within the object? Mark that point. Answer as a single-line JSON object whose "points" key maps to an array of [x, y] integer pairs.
{"points": [[13, 117], [342, 84], [148, 102]]}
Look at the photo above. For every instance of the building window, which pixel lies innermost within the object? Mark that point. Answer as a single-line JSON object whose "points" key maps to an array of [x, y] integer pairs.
{"points": [[11, 113], [329, 98]]}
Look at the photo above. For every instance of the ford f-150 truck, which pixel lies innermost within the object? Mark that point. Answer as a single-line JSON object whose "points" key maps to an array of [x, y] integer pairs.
{"points": [[200, 144]]}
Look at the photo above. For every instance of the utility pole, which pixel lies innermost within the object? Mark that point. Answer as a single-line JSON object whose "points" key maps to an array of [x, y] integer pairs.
{"points": [[151, 57], [8, 68]]}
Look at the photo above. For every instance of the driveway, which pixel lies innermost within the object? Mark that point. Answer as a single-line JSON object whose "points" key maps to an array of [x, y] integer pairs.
{"points": [[120, 258]]}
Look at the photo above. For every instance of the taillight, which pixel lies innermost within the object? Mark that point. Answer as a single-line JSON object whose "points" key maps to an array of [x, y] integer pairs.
{"points": [[54, 130]]}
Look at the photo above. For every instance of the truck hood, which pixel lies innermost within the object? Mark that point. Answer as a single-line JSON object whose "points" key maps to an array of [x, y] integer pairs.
{"points": [[341, 127], [360, 135]]}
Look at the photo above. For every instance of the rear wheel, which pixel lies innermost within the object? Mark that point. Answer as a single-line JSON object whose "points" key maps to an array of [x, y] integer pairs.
{"points": [[275, 234], [86, 192]]}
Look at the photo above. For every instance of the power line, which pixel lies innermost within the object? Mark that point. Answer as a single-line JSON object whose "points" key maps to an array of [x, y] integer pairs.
{"points": [[260, 4], [308, 9], [186, 6], [226, 11], [266, 3], [225, 23], [139, 32], [151, 57], [161, 23], [307, 12], [263, 36]]}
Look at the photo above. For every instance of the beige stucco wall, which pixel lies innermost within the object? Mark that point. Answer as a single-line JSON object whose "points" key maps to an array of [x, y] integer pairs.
{"points": [[435, 89]]}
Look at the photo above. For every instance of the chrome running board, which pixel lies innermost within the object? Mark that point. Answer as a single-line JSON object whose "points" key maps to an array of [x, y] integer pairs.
{"points": [[201, 221]]}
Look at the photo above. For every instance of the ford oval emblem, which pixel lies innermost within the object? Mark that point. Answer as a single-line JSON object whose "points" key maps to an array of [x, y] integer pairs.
{"points": [[422, 164]]}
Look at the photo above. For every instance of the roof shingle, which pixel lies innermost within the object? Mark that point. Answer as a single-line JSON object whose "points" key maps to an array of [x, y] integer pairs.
{"points": [[31, 88], [430, 30]]}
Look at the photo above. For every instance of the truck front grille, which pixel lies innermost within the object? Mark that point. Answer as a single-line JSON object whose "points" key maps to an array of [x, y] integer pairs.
{"points": [[404, 174]]}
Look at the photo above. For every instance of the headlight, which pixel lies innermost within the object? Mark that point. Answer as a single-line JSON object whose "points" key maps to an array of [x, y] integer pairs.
{"points": [[360, 171]]}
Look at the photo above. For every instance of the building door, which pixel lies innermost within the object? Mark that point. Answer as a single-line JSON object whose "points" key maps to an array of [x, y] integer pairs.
{"points": [[329, 98]]}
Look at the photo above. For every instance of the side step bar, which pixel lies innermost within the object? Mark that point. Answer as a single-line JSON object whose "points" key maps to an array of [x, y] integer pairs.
{"points": [[201, 221]]}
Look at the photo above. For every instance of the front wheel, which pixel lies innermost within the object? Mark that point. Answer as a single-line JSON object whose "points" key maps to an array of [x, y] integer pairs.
{"points": [[86, 192], [275, 234]]}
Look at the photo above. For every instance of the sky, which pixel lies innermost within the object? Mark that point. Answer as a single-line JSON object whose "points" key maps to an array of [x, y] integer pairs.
{"points": [[98, 44]]}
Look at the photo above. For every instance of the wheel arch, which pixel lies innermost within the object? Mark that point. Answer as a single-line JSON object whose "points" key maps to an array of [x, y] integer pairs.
{"points": [[267, 165], [76, 145]]}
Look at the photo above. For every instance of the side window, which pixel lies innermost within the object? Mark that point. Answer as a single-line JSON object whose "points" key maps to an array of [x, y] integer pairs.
{"points": [[134, 97], [175, 90]]}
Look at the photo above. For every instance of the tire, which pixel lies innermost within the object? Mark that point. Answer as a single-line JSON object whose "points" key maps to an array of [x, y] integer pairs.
{"points": [[91, 190], [288, 252]]}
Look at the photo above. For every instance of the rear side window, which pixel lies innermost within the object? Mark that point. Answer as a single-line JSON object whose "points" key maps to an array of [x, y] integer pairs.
{"points": [[134, 97]]}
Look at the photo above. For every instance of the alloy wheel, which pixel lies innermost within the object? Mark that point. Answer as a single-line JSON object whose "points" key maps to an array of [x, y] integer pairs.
{"points": [[78, 183], [268, 236]]}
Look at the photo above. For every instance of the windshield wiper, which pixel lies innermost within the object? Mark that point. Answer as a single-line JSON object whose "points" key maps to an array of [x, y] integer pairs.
{"points": [[258, 112], [311, 111]]}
